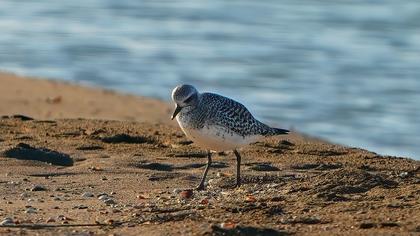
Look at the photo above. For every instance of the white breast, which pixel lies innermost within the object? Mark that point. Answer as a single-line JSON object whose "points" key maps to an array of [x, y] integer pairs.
{"points": [[217, 138]]}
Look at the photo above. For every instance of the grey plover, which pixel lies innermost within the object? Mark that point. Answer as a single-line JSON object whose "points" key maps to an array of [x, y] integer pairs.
{"points": [[217, 123]]}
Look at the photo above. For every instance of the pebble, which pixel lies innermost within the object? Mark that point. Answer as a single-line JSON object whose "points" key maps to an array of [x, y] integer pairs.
{"points": [[367, 225], [64, 219], [25, 195], [403, 174], [103, 197], [110, 201], [136, 214], [94, 168], [80, 207], [205, 201], [7, 221], [109, 221], [250, 198], [31, 210], [141, 197], [38, 187], [228, 225], [187, 193], [87, 195], [220, 174]]}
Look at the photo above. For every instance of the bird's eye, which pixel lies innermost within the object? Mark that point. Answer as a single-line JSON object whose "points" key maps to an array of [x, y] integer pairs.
{"points": [[189, 99]]}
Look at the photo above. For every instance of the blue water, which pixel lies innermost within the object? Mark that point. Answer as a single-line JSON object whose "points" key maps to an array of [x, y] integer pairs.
{"points": [[347, 71]]}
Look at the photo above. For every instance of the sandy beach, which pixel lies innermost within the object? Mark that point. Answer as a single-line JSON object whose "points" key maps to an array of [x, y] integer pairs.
{"points": [[88, 161], [47, 99]]}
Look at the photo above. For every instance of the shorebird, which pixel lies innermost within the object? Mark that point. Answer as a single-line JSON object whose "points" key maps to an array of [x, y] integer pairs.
{"points": [[217, 123]]}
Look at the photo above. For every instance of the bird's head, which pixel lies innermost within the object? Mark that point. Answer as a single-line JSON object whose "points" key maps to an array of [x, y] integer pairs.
{"points": [[184, 95]]}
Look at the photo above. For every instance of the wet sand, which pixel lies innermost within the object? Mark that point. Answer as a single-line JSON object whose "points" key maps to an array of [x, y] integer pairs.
{"points": [[93, 162]]}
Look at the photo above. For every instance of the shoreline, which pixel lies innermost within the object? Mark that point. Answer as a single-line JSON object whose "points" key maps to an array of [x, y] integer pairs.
{"points": [[93, 161], [51, 99], [56, 99]]}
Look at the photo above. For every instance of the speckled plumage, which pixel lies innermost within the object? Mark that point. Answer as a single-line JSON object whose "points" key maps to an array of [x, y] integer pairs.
{"points": [[213, 109], [217, 123]]}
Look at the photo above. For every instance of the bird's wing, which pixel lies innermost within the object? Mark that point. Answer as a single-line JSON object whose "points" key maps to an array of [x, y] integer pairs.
{"points": [[229, 113]]}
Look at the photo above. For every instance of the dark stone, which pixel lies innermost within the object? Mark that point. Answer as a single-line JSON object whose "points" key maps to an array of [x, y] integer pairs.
{"points": [[38, 188], [22, 117], [367, 225], [24, 151]]}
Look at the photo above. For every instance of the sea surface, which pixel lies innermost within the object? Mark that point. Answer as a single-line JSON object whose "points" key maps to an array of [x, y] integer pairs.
{"points": [[347, 71]]}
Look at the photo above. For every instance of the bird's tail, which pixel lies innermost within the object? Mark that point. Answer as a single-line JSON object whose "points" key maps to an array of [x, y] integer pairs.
{"points": [[274, 131], [277, 131], [269, 131]]}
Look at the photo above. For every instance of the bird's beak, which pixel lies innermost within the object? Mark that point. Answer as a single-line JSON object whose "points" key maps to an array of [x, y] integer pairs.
{"points": [[177, 110]]}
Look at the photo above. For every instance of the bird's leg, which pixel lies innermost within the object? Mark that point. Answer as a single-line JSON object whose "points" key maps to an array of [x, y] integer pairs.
{"points": [[238, 168], [203, 179]]}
